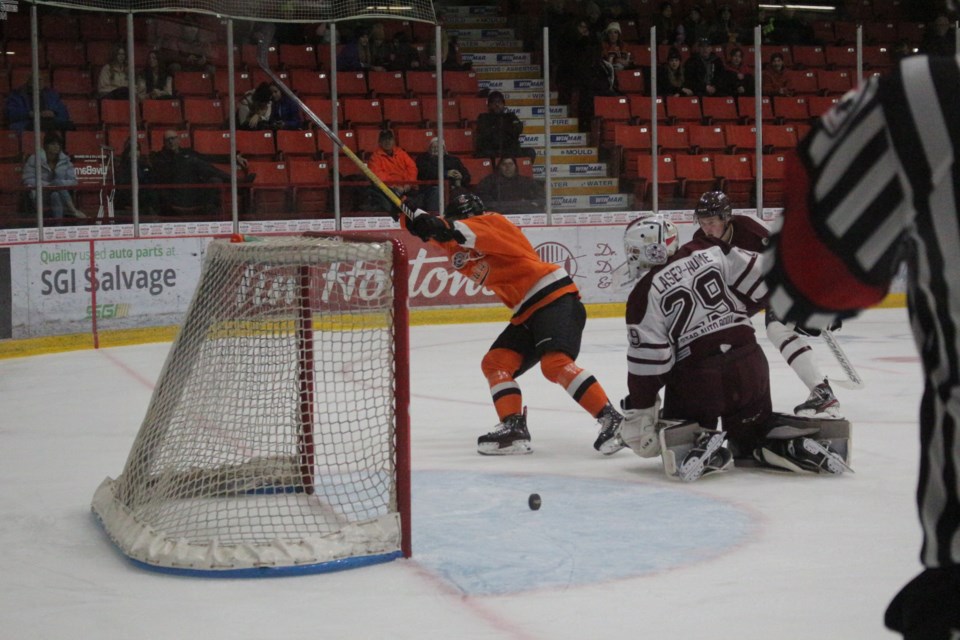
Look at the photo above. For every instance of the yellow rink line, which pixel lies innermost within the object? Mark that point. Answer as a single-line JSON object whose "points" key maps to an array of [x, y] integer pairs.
{"points": [[127, 337]]}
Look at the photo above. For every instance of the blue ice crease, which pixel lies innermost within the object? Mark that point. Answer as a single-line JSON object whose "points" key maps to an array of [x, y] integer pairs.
{"points": [[476, 531]]}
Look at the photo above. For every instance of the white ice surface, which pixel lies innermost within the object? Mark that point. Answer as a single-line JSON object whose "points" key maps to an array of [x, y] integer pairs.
{"points": [[616, 551]]}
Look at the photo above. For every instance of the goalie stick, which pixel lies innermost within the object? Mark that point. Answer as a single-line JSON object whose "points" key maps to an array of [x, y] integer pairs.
{"points": [[853, 381], [371, 176]]}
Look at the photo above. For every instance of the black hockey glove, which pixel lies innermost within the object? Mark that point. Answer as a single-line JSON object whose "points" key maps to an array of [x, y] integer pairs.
{"points": [[428, 227]]}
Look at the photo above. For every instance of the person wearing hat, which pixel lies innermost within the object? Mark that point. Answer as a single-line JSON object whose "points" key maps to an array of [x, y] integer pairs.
{"points": [[671, 80], [703, 70], [612, 49]]}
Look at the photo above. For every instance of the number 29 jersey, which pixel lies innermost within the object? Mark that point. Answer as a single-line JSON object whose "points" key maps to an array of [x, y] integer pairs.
{"points": [[695, 302]]}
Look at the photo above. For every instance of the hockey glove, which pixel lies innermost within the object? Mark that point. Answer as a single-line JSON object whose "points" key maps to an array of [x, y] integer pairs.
{"points": [[428, 227]]}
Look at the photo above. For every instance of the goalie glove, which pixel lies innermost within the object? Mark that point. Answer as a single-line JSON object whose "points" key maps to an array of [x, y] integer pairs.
{"points": [[639, 429]]}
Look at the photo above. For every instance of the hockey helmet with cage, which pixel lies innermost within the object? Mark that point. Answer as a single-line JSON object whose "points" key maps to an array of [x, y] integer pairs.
{"points": [[714, 203], [648, 242], [463, 206]]}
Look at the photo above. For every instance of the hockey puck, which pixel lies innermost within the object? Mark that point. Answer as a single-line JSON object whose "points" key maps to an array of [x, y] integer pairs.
{"points": [[534, 501]]}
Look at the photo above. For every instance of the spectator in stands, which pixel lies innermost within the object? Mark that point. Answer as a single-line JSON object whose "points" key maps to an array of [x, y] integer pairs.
{"points": [[284, 111], [113, 82], [695, 27], [665, 24], [379, 47], [154, 81], [612, 49], [450, 58], [188, 50], [123, 199], [498, 131], [356, 55], [56, 170], [703, 70], [736, 80], [395, 168], [939, 39], [454, 173], [790, 28], [724, 30], [176, 165], [575, 46], [54, 115], [254, 109], [506, 191], [402, 56], [776, 79], [670, 77]]}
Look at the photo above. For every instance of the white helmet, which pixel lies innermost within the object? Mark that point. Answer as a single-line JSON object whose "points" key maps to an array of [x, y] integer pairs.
{"points": [[648, 242]]}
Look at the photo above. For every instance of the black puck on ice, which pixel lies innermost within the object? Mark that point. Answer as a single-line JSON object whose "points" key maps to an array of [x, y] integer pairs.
{"points": [[534, 501]]}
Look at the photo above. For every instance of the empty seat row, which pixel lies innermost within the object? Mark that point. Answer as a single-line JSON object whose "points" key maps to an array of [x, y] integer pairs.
{"points": [[730, 138], [687, 177]]}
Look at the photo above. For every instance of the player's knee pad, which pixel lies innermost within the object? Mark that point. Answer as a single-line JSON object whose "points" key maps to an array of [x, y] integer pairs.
{"points": [[560, 368], [500, 364]]}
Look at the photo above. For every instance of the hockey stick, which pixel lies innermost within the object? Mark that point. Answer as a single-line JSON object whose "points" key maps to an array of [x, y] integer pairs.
{"points": [[371, 176], [853, 381]]}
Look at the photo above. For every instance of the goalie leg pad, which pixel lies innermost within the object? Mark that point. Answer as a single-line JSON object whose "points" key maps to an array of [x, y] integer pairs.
{"points": [[806, 445], [837, 432], [639, 430], [690, 452]]}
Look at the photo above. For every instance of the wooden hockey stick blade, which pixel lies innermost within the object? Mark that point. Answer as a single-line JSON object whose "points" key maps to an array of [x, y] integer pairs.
{"points": [[371, 176], [853, 380]]}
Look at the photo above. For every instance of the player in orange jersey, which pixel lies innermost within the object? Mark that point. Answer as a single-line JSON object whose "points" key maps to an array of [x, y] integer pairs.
{"points": [[546, 327]]}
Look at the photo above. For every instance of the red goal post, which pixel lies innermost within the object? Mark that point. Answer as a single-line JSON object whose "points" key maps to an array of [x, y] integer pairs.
{"points": [[277, 437]]}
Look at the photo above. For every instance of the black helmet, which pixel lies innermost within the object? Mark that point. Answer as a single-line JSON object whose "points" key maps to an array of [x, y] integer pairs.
{"points": [[463, 206], [714, 203]]}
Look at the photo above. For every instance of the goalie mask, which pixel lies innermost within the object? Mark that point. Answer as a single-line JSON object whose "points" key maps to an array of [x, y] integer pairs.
{"points": [[648, 242], [714, 203], [465, 205]]}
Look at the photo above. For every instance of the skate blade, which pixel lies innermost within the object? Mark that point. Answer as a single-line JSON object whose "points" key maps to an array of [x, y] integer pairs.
{"points": [[611, 446], [516, 448], [831, 413], [834, 463], [693, 468]]}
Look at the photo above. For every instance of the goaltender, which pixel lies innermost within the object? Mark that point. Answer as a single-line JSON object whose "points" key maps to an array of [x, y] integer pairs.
{"points": [[689, 330]]}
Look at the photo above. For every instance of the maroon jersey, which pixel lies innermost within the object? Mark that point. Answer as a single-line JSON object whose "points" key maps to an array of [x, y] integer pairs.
{"points": [[688, 309], [747, 234]]}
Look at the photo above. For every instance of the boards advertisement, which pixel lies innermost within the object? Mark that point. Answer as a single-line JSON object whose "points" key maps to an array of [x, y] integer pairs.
{"points": [[62, 287]]}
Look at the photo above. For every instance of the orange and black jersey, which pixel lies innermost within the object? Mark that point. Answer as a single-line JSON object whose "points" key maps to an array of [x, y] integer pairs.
{"points": [[494, 253]]}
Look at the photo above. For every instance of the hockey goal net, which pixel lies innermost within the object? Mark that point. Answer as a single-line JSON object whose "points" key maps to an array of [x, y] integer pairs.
{"points": [[276, 440]]}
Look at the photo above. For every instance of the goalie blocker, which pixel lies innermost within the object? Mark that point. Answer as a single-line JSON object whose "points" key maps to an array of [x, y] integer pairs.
{"points": [[792, 443]]}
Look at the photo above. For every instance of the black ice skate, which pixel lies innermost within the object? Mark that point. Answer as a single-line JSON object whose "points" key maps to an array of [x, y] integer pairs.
{"points": [[821, 403], [509, 438], [801, 455], [608, 440], [708, 456]]}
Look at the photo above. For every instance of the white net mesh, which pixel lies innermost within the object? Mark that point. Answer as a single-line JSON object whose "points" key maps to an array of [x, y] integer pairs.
{"points": [[270, 437], [274, 10]]}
